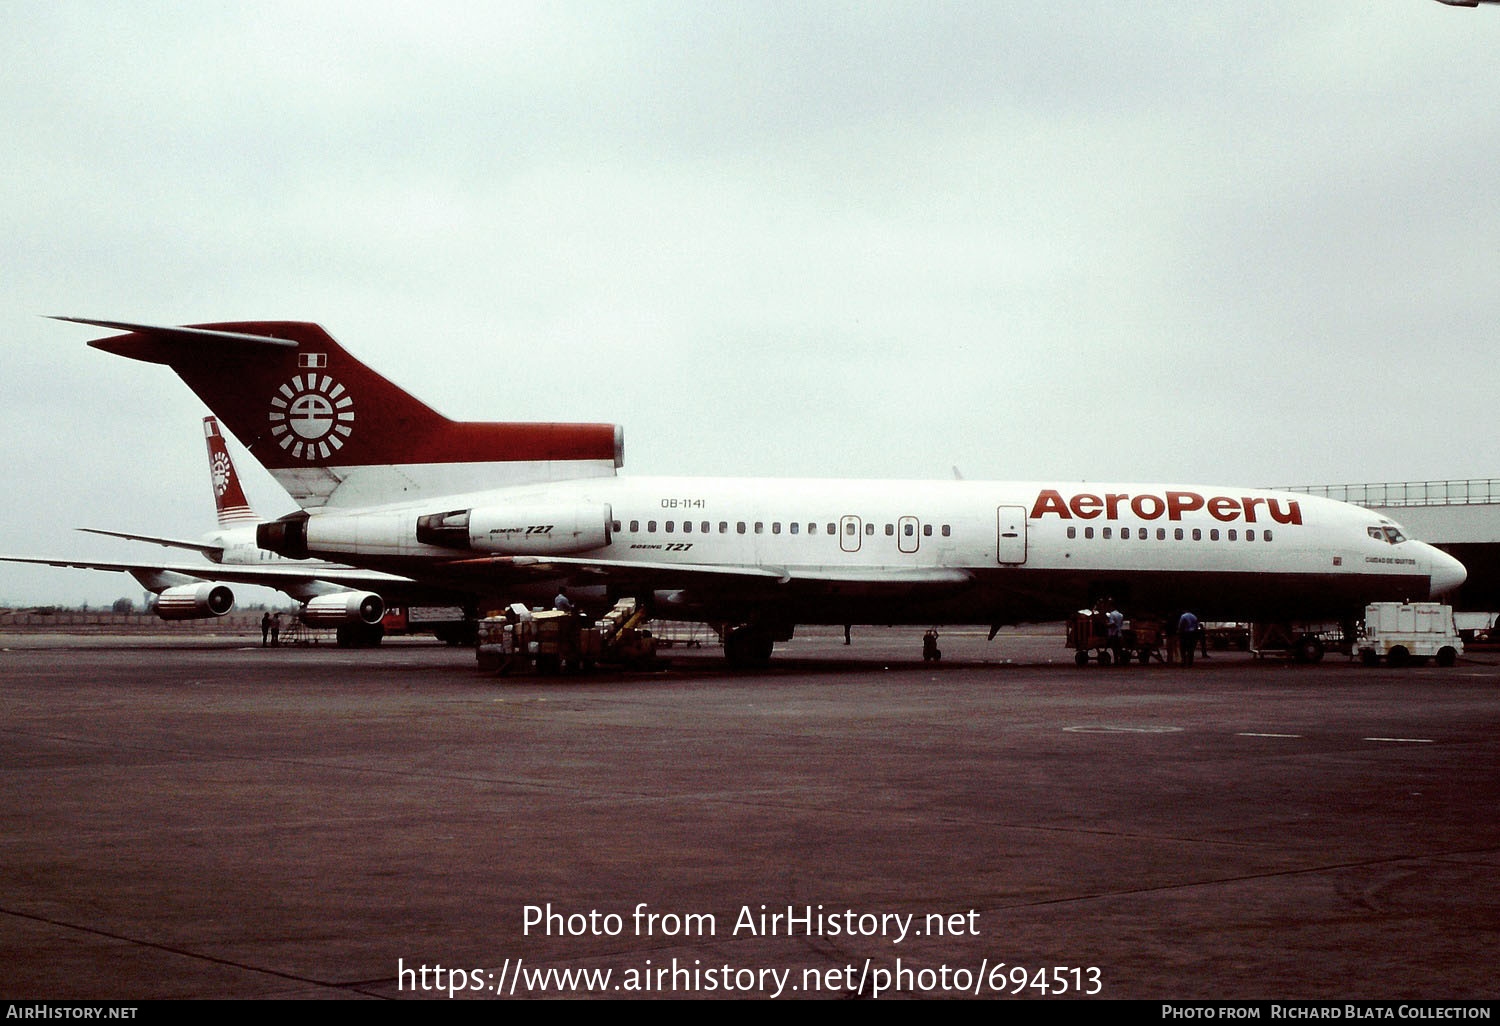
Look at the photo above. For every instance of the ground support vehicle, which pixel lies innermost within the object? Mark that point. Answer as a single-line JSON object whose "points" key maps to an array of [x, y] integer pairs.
{"points": [[1301, 642], [1143, 639], [553, 641], [1408, 633], [1088, 634], [1480, 631], [681, 634], [1224, 636]]}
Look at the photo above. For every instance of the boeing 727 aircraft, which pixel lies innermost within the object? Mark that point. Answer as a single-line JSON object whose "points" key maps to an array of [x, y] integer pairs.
{"points": [[336, 595], [507, 510]]}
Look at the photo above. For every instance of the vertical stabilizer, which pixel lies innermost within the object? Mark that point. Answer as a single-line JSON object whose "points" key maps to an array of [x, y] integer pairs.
{"points": [[229, 498], [333, 432]]}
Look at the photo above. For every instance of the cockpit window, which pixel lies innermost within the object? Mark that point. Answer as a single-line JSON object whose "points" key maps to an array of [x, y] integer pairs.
{"points": [[1388, 534]]}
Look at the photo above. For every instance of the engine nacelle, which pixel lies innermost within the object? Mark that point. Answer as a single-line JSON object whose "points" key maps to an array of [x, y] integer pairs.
{"points": [[520, 529], [344, 609], [194, 601], [285, 537]]}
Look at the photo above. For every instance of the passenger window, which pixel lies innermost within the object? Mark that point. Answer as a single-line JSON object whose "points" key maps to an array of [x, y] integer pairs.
{"points": [[760, 527], [615, 526], [926, 530], [795, 527], [687, 527], [723, 527], [849, 528], [1088, 532], [1249, 535], [1197, 534], [869, 529], [1213, 535], [910, 530], [740, 527], [670, 526], [1072, 532], [776, 527], [651, 527], [1234, 535], [635, 525], [1177, 534], [1265, 536], [1161, 534], [1106, 533], [890, 530], [947, 530], [704, 527]]}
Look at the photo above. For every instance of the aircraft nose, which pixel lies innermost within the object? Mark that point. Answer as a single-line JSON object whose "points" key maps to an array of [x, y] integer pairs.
{"points": [[1446, 573]]}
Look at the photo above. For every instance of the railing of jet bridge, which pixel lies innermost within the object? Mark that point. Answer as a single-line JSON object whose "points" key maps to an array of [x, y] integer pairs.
{"points": [[1473, 492]]}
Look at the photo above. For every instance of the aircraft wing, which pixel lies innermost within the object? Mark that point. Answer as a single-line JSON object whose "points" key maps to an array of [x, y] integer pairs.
{"points": [[300, 583], [490, 571]]}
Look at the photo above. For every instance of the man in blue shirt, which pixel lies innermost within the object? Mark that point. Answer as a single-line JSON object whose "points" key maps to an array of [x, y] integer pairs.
{"points": [[1187, 635]]}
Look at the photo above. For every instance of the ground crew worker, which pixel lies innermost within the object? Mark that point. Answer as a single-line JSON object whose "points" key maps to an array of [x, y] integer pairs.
{"points": [[275, 629], [265, 628], [562, 602], [930, 651], [1114, 629], [1187, 634]]}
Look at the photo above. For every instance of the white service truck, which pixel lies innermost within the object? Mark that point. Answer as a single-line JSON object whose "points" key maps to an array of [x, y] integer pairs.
{"points": [[1408, 632]]}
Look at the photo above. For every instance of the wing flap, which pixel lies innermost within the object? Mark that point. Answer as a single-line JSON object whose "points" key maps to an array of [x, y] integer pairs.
{"points": [[760, 580]]}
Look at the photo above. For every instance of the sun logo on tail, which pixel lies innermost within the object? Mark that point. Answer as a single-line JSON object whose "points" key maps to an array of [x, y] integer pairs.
{"points": [[312, 416], [221, 470]]}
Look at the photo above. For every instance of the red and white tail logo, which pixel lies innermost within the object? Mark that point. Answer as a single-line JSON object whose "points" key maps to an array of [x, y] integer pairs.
{"points": [[327, 426], [229, 497]]}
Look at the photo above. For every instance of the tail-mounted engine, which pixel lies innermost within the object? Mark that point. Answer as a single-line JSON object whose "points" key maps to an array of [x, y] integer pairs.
{"points": [[536, 530], [285, 537], [194, 601]]}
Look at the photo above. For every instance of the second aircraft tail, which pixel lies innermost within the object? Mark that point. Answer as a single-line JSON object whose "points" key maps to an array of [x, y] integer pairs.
{"points": [[230, 504]]}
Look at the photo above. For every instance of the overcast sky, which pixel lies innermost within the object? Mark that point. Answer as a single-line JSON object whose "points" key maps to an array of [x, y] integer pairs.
{"points": [[1246, 244]]}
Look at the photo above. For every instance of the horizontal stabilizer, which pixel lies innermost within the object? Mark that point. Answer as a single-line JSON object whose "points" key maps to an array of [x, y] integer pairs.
{"points": [[183, 334], [211, 551], [334, 432]]}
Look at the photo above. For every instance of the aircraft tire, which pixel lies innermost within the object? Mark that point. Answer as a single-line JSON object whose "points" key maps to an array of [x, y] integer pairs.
{"points": [[748, 648]]}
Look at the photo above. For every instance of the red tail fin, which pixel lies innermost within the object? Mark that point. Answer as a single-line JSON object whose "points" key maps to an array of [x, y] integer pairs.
{"points": [[324, 423], [229, 497]]}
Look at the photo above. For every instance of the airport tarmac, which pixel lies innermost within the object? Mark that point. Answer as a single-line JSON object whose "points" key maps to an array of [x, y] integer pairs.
{"points": [[208, 818]]}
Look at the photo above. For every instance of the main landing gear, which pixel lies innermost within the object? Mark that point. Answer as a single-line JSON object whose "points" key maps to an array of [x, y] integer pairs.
{"points": [[748, 647]]}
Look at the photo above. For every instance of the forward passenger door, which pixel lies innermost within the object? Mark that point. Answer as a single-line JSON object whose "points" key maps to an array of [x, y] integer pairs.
{"points": [[1010, 535]]}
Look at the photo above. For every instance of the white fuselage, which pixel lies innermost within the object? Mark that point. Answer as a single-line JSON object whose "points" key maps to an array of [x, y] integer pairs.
{"points": [[1028, 550]]}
